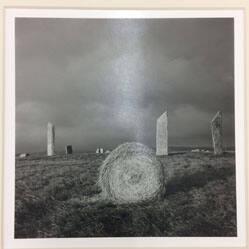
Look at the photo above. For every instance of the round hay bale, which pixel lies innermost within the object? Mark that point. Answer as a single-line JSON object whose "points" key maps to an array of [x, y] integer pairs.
{"points": [[130, 174]]}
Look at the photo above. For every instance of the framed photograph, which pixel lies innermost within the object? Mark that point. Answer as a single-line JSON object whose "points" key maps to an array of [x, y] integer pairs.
{"points": [[124, 128]]}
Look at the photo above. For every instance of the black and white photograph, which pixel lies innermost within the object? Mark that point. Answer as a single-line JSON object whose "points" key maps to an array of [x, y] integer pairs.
{"points": [[125, 127]]}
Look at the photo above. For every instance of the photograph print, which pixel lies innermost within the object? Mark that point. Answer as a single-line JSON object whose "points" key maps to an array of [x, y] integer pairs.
{"points": [[125, 127]]}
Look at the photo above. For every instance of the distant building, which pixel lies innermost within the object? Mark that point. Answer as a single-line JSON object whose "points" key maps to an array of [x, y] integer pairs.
{"points": [[23, 155], [195, 150], [99, 151]]}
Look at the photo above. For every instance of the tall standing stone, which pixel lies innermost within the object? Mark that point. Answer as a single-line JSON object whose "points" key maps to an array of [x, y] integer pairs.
{"points": [[69, 149], [216, 128], [50, 139], [162, 135]]}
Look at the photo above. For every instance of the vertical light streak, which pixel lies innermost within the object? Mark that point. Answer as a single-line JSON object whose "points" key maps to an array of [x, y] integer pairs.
{"points": [[128, 69]]}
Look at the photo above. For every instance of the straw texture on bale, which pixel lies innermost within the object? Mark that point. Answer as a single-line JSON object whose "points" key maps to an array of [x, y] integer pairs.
{"points": [[130, 174]]}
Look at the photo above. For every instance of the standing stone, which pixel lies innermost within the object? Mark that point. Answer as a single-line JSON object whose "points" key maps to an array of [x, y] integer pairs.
{"points": [[50, 139], [162, 135], [101, 150], [97, 151], [69, 149], [216, 128]]}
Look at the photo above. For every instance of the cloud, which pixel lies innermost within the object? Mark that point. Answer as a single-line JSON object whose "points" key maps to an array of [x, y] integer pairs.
{"points": [[107, 81]]}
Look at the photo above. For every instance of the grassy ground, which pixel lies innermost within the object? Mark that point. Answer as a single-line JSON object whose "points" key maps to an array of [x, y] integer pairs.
{"points": [[58, 197]]}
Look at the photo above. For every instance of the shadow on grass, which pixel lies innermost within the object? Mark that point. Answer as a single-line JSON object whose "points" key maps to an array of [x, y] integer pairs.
{"points": [[198, 179]]}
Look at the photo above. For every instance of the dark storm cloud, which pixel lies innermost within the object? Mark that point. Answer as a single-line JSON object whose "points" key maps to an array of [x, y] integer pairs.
{"points": [[103, 82]]}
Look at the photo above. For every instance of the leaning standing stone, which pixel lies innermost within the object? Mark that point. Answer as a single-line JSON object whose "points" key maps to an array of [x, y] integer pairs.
{"points": [[216, 128]]}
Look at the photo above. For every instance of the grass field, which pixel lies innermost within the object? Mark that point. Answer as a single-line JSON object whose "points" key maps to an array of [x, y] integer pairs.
{"points": [[58, 197]]}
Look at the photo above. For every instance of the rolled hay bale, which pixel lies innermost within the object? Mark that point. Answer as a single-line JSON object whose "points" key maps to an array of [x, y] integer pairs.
{"points": [[131, 174]]}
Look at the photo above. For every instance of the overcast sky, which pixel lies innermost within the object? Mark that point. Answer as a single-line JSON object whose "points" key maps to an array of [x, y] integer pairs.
{"points": [[104, 82]]}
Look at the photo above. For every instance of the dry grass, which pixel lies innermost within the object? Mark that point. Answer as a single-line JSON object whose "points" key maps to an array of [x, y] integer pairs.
{"points": [[59, 197], [131, 174]]}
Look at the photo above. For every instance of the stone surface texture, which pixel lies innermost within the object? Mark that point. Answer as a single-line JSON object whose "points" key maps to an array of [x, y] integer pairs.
{"points": [[216, 129], [50, 139], [162, 135]]}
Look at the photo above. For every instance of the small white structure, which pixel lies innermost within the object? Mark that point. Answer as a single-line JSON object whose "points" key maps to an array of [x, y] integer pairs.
{"points": [[23, 155], [162, 135], [99, 151], [195, 150]]}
